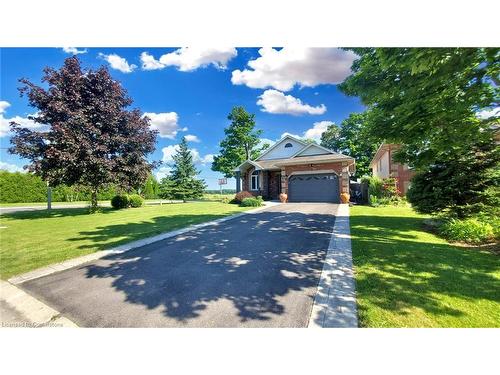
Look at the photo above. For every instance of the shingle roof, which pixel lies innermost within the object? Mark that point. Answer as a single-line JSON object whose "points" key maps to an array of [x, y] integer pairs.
{"points": [[278, 163]]}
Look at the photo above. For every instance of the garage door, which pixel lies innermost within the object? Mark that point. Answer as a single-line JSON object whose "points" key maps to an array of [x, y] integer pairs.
{"points": [[314, 188]]}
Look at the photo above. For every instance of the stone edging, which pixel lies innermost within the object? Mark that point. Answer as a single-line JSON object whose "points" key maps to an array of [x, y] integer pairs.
{"points": [[53, 268], [335, 300]]}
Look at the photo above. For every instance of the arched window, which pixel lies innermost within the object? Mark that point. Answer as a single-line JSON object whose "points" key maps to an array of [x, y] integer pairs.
{"points": [[288, 145], [254, 181]]}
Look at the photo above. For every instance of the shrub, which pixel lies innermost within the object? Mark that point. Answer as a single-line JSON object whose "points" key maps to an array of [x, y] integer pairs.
{"points": [[251, 202], [120, 201], [242, 195], [468, 230], [135, 200], [375, 186]]}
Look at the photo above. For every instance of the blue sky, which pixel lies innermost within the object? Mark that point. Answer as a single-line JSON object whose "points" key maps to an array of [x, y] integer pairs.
{"points": [[191, 91]]}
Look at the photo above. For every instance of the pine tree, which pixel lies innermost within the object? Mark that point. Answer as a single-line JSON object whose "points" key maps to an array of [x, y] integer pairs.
{"points": [[151, 188], [182, 182]]}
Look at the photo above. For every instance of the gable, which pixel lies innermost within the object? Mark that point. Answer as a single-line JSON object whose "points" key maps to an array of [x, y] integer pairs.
{"points": [[283, 149], [313, 150]]}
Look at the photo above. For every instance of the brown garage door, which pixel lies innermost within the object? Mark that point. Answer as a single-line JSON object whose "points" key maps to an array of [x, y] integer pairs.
{"points": [[322, 187]]}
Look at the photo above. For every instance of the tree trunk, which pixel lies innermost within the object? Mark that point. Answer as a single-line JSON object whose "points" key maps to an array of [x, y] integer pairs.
{"points": [[247, 152], [93, 200]]}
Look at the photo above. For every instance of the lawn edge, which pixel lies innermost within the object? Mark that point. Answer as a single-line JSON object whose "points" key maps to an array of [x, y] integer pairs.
{"points": [[70, 263], [335, 303]]}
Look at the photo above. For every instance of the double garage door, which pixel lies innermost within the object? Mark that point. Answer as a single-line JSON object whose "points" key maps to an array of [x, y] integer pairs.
{"points": [[322, 187]]}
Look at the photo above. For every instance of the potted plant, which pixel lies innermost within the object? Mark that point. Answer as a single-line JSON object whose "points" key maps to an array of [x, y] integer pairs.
{"points": [[283, 198], [344, 197]]}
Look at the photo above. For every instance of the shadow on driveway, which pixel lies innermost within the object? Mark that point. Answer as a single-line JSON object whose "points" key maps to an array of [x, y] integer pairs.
{"points": [[257, 270]]}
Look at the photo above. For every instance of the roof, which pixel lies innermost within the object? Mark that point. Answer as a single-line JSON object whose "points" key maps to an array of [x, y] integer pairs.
{"points": [[295, 159], [382, 149], [276, 164], [279, 142]]}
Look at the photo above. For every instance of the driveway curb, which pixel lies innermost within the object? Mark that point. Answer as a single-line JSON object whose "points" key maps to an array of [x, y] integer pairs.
{"points": [[335, 301], [53, 268], [32, 313]]}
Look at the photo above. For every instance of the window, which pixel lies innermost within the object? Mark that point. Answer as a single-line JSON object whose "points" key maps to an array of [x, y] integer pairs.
{"points": [[254, 181], [288, 145]]}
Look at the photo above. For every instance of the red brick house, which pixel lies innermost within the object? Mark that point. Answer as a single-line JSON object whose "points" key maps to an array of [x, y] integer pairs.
{"points": [[384, 166], [305, 172]]}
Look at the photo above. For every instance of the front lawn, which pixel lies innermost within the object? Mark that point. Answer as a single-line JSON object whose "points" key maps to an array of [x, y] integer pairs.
{"points": [[30, 240], [406, 277]]}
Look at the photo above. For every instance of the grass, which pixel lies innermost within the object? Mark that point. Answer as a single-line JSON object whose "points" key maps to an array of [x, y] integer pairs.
{"points": [[406, 277], [34, 239], [217, 197]]}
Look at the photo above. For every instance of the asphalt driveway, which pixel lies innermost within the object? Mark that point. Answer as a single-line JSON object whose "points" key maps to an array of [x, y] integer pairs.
{"points": [[258, 270]]}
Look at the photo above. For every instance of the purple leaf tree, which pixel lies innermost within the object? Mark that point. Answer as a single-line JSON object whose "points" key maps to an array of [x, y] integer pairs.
{"points": [[90, 137]]}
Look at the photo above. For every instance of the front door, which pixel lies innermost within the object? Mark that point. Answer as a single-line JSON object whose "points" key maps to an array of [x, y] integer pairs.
{"points": [[274, 184]]}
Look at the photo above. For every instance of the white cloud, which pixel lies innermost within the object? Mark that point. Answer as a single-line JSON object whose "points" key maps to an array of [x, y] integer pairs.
{"points": [[307, 67], [118, 63], [192, 138], [314, 132], [274, 101], [74, 50], [263, 141], [187, 59], [166, 123], [149, 62], [207, 159], [169, 152], [293, 135], [487, 113], [317, 129], [25, 122], [3, 106], [11, 167], [163, 172]]}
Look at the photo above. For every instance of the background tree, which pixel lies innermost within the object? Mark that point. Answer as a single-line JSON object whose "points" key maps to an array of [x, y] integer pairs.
{"points": [[182, 182], [428, 100], [240, 143], [150, 188], [353, 139], [459, 187], [92, 139]]}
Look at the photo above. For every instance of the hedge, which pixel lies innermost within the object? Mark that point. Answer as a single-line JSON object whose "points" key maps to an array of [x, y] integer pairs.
{"points": [[26, 187]]}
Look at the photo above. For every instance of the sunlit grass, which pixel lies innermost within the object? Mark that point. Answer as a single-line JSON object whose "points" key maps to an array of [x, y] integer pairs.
{"points": [[407, 277], [34, 239]]}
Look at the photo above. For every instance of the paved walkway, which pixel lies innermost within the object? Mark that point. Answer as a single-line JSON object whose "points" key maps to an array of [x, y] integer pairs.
{"points": [[258, 270], [335, 302]]}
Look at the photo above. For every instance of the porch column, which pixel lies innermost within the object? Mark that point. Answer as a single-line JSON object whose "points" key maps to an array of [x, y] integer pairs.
{"points": [[284, 181], [238, 181]]}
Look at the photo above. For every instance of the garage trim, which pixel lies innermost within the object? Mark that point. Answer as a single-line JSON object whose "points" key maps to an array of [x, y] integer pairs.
{"points": [[319, 171]]}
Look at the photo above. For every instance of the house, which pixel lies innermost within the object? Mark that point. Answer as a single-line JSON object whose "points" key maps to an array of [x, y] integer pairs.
{"points": [[306, 172], [384, 166]]}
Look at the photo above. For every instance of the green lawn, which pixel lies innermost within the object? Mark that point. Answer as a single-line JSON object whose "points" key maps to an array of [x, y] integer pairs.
{"points": [[406, 277], [38, 238]]}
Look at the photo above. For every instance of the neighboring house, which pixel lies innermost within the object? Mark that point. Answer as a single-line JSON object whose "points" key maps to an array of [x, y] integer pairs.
{"points": [[384, 166], [306, 172]]}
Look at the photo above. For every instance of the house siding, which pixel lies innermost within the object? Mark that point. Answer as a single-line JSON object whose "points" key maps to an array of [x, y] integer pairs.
{"points": [[384, 167]]}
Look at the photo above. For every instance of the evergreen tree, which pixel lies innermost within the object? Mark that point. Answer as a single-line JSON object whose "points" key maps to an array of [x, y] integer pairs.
{"points": [[182, 182], [151, 188]]}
